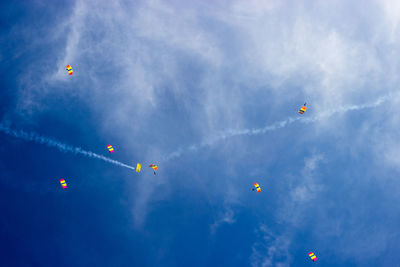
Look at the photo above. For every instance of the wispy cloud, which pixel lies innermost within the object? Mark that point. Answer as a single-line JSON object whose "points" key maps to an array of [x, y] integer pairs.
{"points": [[308, 187], [271, 249], [205, 61], [227, 217]]}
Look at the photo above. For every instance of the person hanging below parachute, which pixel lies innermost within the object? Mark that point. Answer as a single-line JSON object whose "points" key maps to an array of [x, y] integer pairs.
{"points": [[257, 187], [138, 167], [312, 256], [69, 69], [303, 109], [154, 168], [110, 148]]}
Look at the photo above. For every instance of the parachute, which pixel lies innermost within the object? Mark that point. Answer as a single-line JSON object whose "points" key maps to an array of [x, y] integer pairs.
{"points": [[69, 69], [110, 148], [257, 187], [63, 183], [312, 256], [138, 167], [154, 167], [303, 109]]}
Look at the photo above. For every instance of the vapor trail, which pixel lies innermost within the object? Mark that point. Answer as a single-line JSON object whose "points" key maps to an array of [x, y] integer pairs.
{"points": [[34, 137], [275, 126]]}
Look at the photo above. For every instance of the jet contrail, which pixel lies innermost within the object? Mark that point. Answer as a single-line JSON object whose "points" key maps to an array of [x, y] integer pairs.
{"points": [[275, 126], [34, 137]]}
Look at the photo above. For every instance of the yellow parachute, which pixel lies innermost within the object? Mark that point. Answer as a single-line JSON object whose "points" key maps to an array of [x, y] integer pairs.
{"points": [[138, 167]]}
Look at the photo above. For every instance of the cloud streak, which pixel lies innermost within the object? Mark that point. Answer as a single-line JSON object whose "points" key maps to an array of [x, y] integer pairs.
{"points": [[275, 126], [226, 217], [34, 137]]}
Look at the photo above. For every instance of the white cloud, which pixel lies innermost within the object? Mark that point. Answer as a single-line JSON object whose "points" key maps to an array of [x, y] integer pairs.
{"points": [[271, 250], [142, 44], [382, 137], [129, 56], [226, 218], [309, 186]]}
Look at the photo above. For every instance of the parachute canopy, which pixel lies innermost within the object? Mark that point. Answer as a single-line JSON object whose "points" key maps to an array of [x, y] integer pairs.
{"points": [[69, 69], [257, 187], [63, 183], [138, 167], [303, 109], [110, 148], [312, 256], [153, 166]]}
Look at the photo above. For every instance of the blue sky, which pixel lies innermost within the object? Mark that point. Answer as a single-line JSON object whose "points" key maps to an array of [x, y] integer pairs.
{"points": [[209, 91]]}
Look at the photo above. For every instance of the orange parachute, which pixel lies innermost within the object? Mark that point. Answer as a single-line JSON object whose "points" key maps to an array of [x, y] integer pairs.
{"points": [[154, 167], [303, 109], [257, 187], [69, 69]]}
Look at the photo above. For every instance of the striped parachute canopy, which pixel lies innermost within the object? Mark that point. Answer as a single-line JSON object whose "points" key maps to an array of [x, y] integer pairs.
{"points": [[63, 183], [312, 256], [138, 167], [257, 187], [303, 109], [153, 166], [69, 69], [110, 148]]}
